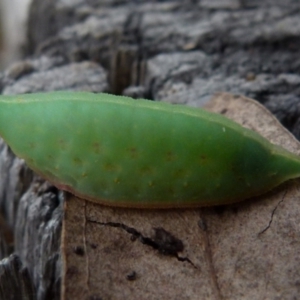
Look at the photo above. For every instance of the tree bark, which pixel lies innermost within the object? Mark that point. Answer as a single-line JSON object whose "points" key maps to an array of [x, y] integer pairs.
{"points": [[175, 51]]}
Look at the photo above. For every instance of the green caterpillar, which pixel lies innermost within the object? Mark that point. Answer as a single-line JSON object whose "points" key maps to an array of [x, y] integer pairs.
{"points": [[139, 153]]}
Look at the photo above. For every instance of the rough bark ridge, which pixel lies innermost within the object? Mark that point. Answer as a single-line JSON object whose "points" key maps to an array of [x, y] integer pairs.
{"points": [[176, 51]]}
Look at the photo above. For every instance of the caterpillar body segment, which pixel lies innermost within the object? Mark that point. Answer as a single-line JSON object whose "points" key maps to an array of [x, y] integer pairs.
{"points": [[138, 153]]}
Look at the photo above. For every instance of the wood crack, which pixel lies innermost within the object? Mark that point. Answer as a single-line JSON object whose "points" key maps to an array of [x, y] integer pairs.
{"points": [[209, 258], [86, 248], [272, 215], [163, 241]]}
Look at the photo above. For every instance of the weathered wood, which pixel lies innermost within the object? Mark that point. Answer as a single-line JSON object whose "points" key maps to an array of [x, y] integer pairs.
{"points": [[6, 238], [176, 51], [15, 280]]}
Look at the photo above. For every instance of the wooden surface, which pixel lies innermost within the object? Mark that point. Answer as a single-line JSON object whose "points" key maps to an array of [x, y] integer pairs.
{"points": [[176, 51]]}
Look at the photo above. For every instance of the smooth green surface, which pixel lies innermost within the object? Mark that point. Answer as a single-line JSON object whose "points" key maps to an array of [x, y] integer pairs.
{"points": [[140, 153]]}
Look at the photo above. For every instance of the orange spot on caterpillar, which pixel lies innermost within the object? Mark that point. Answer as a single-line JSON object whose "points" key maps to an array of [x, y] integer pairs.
{"points": [[96, 147], [133, 152], [77, 161], [110, 167], [170, 156], [62, 143], [146, 170]]}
